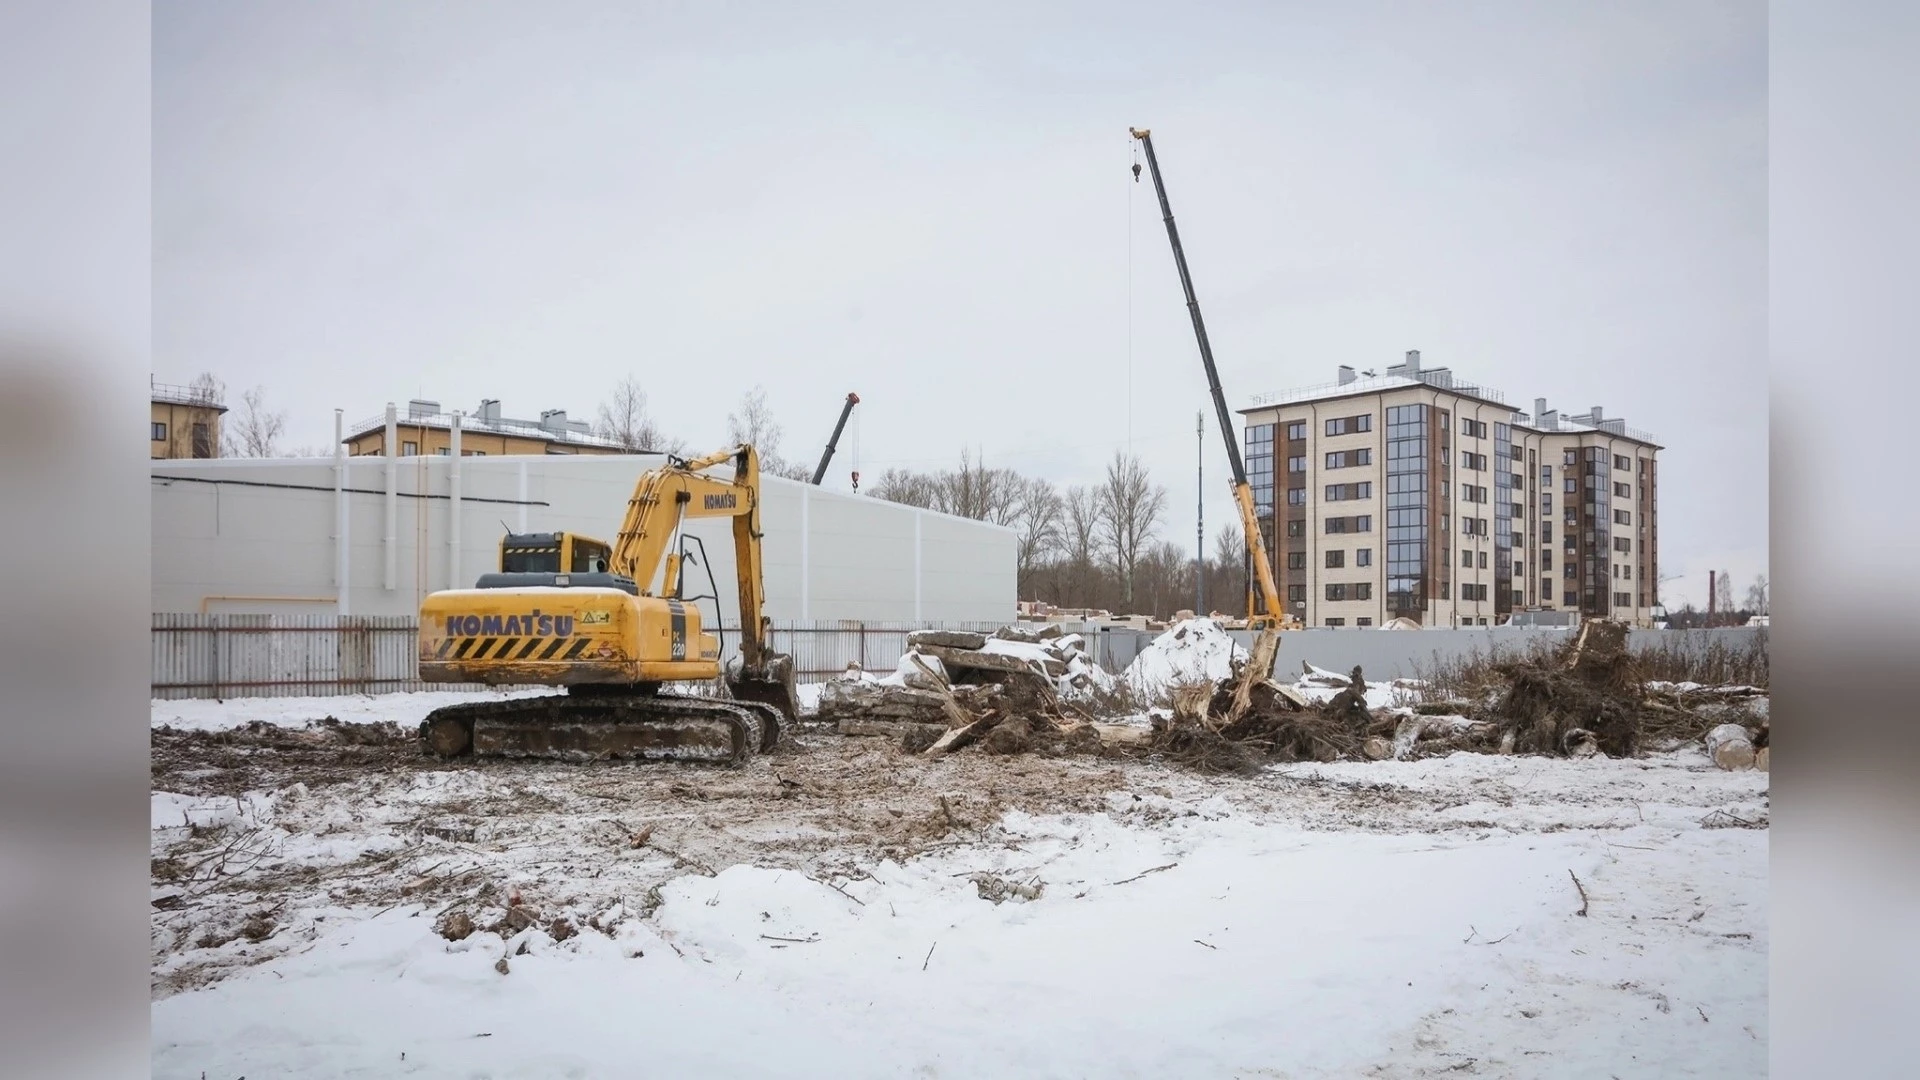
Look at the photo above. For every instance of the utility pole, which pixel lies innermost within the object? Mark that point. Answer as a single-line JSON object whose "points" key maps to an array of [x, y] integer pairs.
{"points": [[1200, 515]]}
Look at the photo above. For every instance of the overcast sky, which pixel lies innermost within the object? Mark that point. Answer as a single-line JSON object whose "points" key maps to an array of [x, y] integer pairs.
{"points": [[357, 203]]}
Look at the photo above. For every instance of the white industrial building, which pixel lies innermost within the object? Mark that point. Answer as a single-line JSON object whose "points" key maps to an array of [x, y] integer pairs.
{"points": [[372, 535]]}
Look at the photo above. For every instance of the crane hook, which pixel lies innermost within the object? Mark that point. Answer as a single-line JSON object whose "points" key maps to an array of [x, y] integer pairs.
{"points": [[1136, 172]]}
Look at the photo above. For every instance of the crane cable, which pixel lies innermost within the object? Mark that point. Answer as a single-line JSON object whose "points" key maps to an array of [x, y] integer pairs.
{"points": [[1135, 143], [856, 451]]}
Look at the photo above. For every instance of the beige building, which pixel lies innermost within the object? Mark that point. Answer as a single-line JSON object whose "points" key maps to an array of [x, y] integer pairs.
{"points": [[422, 429], [186, 421], [1416, 495]]}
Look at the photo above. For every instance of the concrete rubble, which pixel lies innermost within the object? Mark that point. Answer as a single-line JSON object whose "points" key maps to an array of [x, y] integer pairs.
{"points": [[1031, 687]]}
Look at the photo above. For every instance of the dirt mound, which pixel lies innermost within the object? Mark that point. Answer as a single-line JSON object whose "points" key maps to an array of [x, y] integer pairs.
{"points": [[253, 756]]}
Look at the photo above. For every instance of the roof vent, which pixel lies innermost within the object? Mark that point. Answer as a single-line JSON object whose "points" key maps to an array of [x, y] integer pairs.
{"points": [[553, 419], [1346, 374], [489, 410], [1413, 361]]}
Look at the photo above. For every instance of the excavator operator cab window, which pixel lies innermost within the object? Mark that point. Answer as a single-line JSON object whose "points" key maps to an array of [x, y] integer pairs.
{"points": [[590, 558], [531, 560]]}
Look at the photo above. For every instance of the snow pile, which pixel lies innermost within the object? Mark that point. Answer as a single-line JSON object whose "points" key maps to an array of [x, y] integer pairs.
{"points": [[1190, 651]]}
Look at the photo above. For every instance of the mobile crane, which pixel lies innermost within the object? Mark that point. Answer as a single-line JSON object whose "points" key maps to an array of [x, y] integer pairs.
{"points": [[612, 626], [820, 471], [1270, 613]]}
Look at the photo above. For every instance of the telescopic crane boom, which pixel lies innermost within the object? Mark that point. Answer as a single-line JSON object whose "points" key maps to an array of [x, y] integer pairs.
{"points": [[820, 471], [1261, 585]]}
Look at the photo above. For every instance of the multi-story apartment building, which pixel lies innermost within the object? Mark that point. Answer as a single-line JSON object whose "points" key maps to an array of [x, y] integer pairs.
{"points": [[1417, 495], [423, 429], [186, 420]]}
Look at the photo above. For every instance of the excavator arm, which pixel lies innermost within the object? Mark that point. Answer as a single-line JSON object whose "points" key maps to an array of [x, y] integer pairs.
{"points": [[661, 503]]}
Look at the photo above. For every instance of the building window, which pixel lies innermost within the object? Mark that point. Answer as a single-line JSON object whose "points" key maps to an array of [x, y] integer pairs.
{"points": [[1546, 560], [1363, 621], [1336, 592], [1336, 622], [1483, 560], [159, 431], [1346, 459], [1623, 491], [1336, 524], [409, 449], [1296, 496], [1476, 462], [1570, 485], [1297, 594], [1466, 560], [1571, 457], [1363, 590], [442, 452], [1336, 559], [1568, 570], [202, 441], [1296, 528], [1621, 599], [1622, 462], [1298, 463], [1621, 543], [1363, 557], [1296, 560], [1296, 431], [1363, 523], [1546, 590]]}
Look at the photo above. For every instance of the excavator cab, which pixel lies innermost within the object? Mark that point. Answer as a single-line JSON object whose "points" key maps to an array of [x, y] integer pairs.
{"points": [[553, 553]]}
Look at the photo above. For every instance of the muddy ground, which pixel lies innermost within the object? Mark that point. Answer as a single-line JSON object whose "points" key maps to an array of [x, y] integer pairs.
{"points": [[263, 833]]}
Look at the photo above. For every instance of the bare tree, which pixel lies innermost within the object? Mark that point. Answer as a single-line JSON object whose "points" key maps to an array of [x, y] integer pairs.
{"points": [[625, 420], [1723, 594], [755, 426], [1757, 595], [1130, 506], [977, 492], [1038, 517], [1228, 580], [208, 389], [907, 487], [255, 432]]}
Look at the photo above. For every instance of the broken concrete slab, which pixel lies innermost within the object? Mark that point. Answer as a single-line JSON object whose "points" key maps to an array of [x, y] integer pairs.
{"points": [[957, 660], [952, 639]]}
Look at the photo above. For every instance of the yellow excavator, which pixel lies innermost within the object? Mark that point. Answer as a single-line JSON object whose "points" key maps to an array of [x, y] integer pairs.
{"points": [[612, 625]]}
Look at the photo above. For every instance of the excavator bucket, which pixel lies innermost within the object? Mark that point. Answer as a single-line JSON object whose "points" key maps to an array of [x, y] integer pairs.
{"points": [[773, 685]]}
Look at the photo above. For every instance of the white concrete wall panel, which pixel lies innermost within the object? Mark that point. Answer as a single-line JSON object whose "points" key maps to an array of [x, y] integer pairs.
{"points": [[266, 530]]}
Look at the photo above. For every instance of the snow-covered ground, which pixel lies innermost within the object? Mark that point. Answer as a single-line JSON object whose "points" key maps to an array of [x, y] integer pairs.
{"points": [[828, 913]]}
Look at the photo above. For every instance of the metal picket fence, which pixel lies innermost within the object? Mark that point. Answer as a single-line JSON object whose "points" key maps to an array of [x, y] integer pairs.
{"points": [[232, 656]]}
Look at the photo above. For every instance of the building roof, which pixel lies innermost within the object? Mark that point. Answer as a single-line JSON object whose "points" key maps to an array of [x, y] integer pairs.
{"points": [[553, 426], [194, 396], [1436, 379], [1410, 374]]}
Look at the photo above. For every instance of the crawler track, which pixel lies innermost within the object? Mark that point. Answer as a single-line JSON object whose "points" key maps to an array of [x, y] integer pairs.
{"points": [[603, 727]]}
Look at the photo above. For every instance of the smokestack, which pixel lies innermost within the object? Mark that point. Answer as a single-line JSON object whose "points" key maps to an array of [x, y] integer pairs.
{"points": [[1346, 374], [1712, 591]]}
